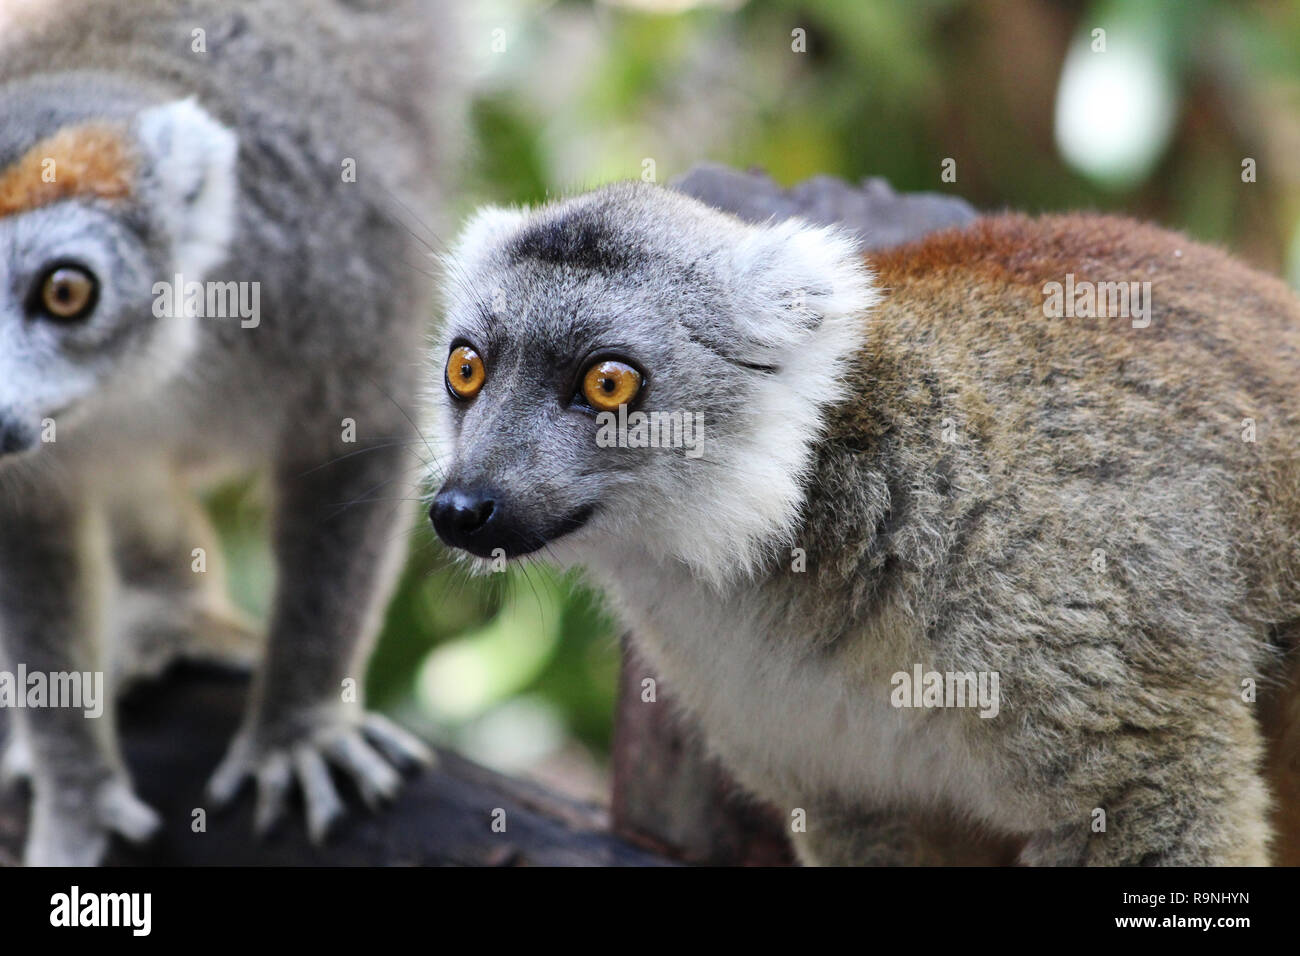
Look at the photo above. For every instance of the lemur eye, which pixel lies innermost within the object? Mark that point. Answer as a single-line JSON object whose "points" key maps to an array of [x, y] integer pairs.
{"points": [[609, 384], [67, 293], [465, 372]]}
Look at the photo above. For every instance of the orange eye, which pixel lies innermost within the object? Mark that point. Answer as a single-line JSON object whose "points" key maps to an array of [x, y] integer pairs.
{"points": [[68, 293], [465, 372], [609, 384]]}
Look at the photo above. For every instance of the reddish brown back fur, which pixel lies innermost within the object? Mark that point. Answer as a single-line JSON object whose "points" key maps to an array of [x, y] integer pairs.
{"points": [[1223, 345]]}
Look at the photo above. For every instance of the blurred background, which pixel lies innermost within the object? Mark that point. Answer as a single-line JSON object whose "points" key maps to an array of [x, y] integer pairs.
{"points": [[1184, 112]]}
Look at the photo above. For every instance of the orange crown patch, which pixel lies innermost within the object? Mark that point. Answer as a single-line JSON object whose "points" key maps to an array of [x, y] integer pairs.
{"points": [[91, 159]]}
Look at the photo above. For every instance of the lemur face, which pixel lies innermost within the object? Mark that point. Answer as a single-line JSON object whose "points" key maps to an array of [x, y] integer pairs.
{"points": [[94, 213], [632, 371]]}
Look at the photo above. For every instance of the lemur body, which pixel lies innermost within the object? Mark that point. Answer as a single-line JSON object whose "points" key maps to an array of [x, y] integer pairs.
{"points": [[284, 145], [920, 469]]}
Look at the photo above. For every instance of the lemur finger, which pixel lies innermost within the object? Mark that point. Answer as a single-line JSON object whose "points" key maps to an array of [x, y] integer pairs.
{"points": [[400, 746], [377, 781], [274, 778], [123, 812], [228, 779], [324, 806]]}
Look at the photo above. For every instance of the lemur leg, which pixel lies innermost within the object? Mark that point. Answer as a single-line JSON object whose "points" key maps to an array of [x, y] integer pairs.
{"points": [[52, 566], [338, 550], [1155, 819], [173, 601]]}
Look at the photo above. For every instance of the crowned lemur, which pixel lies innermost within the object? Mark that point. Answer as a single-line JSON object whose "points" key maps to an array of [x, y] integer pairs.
{"points": [[207, 264], [911, 481]]}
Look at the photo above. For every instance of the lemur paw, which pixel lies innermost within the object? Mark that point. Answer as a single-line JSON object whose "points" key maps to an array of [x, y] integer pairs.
{"points": [[367, 751], [70, 831]]}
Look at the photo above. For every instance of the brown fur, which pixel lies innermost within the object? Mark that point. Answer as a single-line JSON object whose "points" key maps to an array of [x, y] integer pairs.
{"points": [[1142, 428], [92, 159], [1224, 345]]}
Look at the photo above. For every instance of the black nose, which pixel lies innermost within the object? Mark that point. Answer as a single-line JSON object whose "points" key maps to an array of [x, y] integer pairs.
{"points": [[457, 513]]}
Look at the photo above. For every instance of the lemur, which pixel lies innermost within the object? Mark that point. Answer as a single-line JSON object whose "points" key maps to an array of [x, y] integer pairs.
{"points": [[285, 147], [919, 469]]}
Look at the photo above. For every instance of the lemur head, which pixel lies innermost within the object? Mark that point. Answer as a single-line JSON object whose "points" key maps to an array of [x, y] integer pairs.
{"points": [[583, 334], [104, 192]]}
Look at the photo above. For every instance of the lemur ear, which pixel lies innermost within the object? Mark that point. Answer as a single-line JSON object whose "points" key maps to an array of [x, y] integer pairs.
{"points": [[795, 279], [191, 170]]}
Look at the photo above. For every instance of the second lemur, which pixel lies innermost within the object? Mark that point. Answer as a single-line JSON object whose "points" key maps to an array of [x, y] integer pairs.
{"points": [[207, 269]]}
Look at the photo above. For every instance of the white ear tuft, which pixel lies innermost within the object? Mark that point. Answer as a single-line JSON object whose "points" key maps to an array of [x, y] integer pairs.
{"points": [[192, 160], [802, 296], [794, 278]]}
